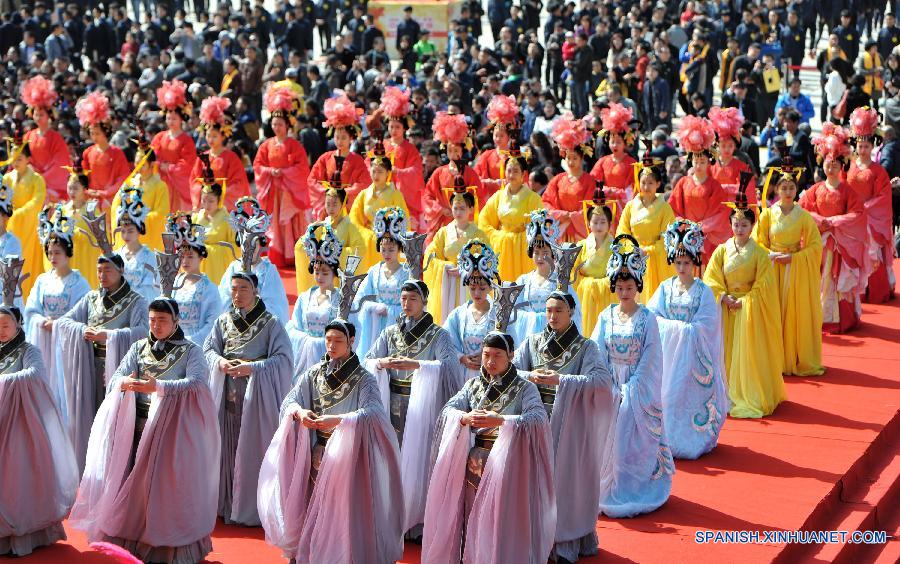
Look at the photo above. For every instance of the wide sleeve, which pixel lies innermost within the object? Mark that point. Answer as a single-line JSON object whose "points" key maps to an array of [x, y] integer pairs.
{"points": [[357, 213], [120, 171], [280, 357], [197, 373], [624, 227], [127, 367], [433, 201], [761, 230], [714, 275], [488, 216], [34, 307]]}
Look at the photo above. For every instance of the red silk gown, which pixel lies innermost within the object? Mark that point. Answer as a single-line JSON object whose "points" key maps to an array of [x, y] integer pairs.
{"points": [[408, 175], [564, 199], [435, 199], [49, 154], [284, 196], [488, 170], [354, 172], [873, 188], [704, 204], [180, 154], [617, 179], [228, 166], [729, 176], [108, 169]]}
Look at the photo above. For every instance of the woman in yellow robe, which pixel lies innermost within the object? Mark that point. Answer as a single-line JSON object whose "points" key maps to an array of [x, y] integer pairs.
{"points": [[742, 278], [446, 291], [213, 217], [28, 195], [84, 253], [380, 194], [790, 235], [591, 282], [349, 235], [155, 197], [646, 217], [504, 217]]}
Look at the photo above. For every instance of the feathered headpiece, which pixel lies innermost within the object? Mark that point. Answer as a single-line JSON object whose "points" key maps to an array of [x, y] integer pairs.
{"points": [[503, 110], [627, 262], [38, 92], [6, 196], [59, 229], [390, 223], [832, 142], [210, 184], [215, 111], [11, 281], [92, 109], [132, 209], [172, 97], [185, 233], [477, 260], [341, 112], [542, 229], [250, 224], [452, 128], [864, 124], [282, 101], [684, 238], [696, 135], [325, 250], [726, 122], [571, 134], [597, 204], [618, 119], [395, 104]]}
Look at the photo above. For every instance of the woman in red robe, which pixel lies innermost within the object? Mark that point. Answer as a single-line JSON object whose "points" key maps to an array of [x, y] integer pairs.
{"points": [[175, 150], [281, 168], [49, 152], [453, 133], [616, 170], [872, 185], [107, 164], [407, 171], [840, 217], [217, 124], [567, 191], [342, 119], [502, 113], [727, 169], [698, 196]]}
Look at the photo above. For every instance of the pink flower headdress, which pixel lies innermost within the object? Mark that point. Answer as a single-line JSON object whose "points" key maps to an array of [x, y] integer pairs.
{"points": [[214, 113], [617, 119], [452, 128], [172, 97], [726, 122], [571, 134], [696, 135], [834, 142], [93, 109], [341, 112]]}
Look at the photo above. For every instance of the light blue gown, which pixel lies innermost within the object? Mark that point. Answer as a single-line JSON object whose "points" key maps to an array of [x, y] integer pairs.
{"points": [[198, 307], [466, 334], [271, 288], [10, 245], [306, 328], [533, 317], [694, 398], [368, 323], [141, 280], [51, 298], [637, 476]]}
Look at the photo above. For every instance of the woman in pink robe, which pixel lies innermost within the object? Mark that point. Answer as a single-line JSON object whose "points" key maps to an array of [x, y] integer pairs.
{"points": [[49, 152], [217, 123], [175, 150], [567, 191]]}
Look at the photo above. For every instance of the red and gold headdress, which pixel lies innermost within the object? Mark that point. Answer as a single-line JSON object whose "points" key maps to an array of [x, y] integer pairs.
{"points": [[834, 142], [618, 119], [210, 184], [571, 134], [172, 97], [696, 135], [15, 144], [726, 122], [283, 102], [215, 111], [515, 152], [741, 202], [786, 171], [38, 92], [340, 112], [503, 110], [452, 128], [647, 162], [458, 191], [597, 204]]}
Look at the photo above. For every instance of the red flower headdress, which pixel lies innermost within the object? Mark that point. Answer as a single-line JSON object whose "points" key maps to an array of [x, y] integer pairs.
{"points": [[726, 122], [864, 123], [38, 92], [452, 128], [172, 97], [834, 142], [93, 109], [281, 101], [617, 119], [214, 113], [503, 110], [341, 112], [696, 135], [571, 134], [395, 103]]}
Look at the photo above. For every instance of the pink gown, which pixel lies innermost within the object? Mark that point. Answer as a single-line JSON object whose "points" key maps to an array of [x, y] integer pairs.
{"points": [[180, 154], [873, 188], [108, 169], [228, 166], [355, 173], [49, 154], [704, 204]]}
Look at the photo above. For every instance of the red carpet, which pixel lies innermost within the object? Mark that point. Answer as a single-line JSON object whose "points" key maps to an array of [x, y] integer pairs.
{"points": [[828, 459]]}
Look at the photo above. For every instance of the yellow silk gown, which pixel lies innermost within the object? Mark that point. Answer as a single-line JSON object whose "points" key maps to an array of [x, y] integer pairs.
{"points": [[156, 198], [797, 283], [362, 214], [591, 284], [753, 349], [217, 229], [354, 244], [446, 292], [503, 219], [84, 254], [647, 224], [29, 194]]}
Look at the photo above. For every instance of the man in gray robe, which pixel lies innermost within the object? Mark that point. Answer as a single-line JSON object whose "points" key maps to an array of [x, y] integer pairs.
{"points": [[418, 370], [95, 336], [250, 362], [577, 393]]}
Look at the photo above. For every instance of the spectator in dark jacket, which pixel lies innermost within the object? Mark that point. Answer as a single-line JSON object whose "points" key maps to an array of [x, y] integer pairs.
{"points": [[408, 27], [890, 155], [656, 102], [580, 69]]}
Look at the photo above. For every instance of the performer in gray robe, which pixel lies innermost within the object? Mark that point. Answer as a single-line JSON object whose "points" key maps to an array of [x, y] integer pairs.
{"points": [[577, 392], [490, 498], [250, 362], [150, 482], [38, 464], [418, 370], [330, 483], [95, 336]]}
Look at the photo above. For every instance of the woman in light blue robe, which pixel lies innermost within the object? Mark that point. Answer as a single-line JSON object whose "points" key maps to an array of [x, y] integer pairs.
{"points": [[141, 279], [467, 334], [638, 465], [54, 294], [198, 306]]}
